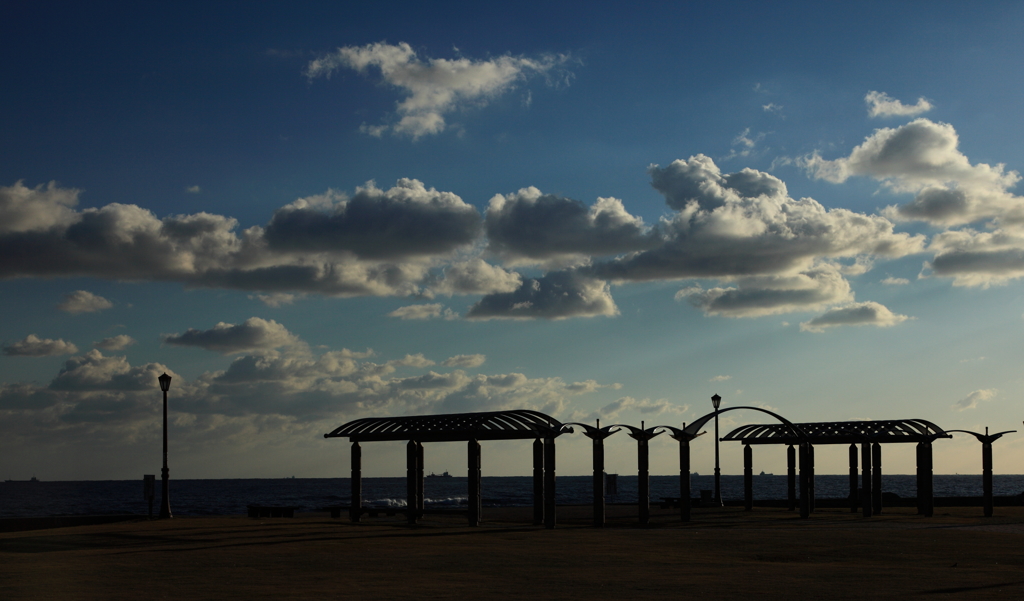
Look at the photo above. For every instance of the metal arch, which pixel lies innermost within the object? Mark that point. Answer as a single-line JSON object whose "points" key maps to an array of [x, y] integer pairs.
{"points": [[491, 425], [694, 427]]}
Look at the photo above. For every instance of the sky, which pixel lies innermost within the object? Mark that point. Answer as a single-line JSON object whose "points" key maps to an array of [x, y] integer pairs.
{"points": [[308, 213]]}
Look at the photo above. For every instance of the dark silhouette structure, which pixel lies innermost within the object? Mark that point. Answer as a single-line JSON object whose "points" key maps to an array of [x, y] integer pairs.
{"points": [[986, 441], [596, 434], [165, 503], [870, 435], [468, 427]]}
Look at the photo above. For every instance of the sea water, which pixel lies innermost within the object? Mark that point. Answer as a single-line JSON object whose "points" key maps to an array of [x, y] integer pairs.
{"points": [[230, 496]]}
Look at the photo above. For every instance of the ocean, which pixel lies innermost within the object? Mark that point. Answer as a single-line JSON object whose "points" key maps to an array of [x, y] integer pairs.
{"points": [[230, 496]]}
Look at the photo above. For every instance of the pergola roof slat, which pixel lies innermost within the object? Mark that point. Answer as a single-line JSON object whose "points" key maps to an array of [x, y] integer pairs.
{"points": [[491, 425], [881, 431]]}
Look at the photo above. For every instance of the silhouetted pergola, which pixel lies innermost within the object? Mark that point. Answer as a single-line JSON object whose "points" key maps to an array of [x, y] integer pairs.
{"points": [[871, 435], [456, 427]]}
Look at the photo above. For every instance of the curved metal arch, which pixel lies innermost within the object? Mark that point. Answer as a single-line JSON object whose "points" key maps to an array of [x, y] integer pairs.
{"points": [[490, 425], [592, 432], [903, 430], [695, 426]]}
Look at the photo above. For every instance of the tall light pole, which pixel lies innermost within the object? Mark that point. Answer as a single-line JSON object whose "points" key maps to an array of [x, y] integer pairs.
{"points": [[165, 503], [716, 401]]}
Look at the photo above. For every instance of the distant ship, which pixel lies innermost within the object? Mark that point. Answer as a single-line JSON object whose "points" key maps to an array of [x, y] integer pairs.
{"points": [[764, 474], [444, 475], [34, 479]]}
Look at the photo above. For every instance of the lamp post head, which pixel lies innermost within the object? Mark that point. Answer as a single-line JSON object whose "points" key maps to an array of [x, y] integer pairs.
{"points": [[165, 382], [715, 400]]}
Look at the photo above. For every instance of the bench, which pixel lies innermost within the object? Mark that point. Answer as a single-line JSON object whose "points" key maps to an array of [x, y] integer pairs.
{"points": [[271, 511]]}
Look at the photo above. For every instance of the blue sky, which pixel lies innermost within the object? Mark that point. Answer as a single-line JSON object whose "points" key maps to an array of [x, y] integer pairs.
{"points": [[309, 214]]}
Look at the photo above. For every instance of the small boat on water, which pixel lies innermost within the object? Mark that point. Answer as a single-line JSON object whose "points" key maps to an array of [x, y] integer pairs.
{"points": [[444, 475]]}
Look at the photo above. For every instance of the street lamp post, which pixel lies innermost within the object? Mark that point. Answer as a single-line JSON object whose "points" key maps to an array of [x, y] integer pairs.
{"points": [[165, 503], [716, 401]]}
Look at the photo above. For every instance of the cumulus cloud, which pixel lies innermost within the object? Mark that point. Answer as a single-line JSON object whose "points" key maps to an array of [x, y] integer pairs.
{"points": [[770, 295], [409, 220], [276, 300], [474, 276], [427, 311], [971, 401], [465, 361], [435, 87], [380, 242], [252, 335], [114, 343], [975, 258], [532, 227], [856, 314], [881, 104], [82, 301], [922, 157], [744, 224], [34, 346], [24, 209], [556, 295], [891, 281]]}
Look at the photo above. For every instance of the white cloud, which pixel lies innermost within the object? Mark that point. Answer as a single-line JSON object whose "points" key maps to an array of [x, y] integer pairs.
{"points": [[881, 105], [428, 311], [720, 379], [556, 295], [771, 107], [114, 343], [34, 346], [252, 335], [771, 295], [974, 258], [275, 300], [435, 87], [532, 227], [193, 190], [82, 301], [891, 281], [474, 276], [856, 314], [24, 209], [922, 157], [971, 401], [465, 361]]}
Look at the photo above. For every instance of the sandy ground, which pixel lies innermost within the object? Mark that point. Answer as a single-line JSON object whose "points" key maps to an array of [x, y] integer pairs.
{"points": [[721, 554]]}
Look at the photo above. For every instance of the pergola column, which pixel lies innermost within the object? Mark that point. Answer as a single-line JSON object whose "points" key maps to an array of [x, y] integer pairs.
{"points": [[538, 482], [854, 480], [986, 475], [919, 455], [810, 478], [412, 483], [473, 449], [419, 477], [748, 478], [643, 481], [549, 483], [684, 479], [865, 479], [929, 498], [791, 477], [356, 484], [876, 478], [805, 502], [599, 503]]}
